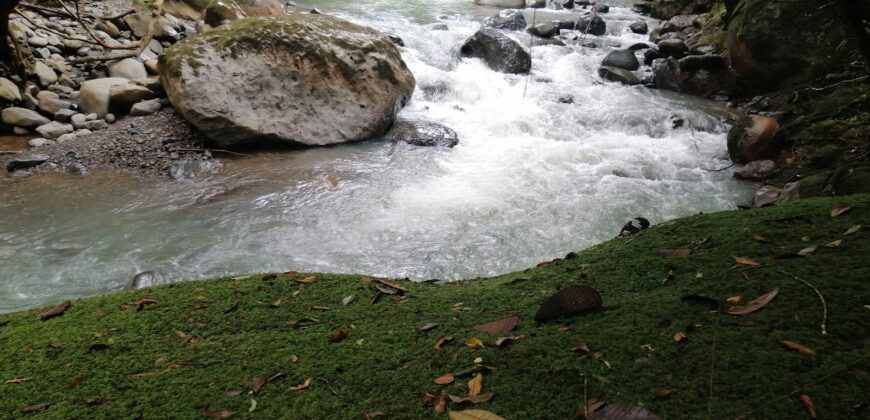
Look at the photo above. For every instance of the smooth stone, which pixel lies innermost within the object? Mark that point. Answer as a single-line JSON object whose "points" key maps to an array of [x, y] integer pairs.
{"points": [[78, 121], [109, 118], [23, 117], [639, 27], [37, 41], [9, 90], [756, 170], [46, 75], [422, 133], [672, 48], [593, 25], [52, 106], [145, 108], [95, 94], [624, 59], [122, 97], [96, 125], [66, 137], [20, 131], [128, 68], [544, 30], [616, 74], [38, 142], [26, 161], [498, 51], [766, 196], [507, 19], [54, 129]]}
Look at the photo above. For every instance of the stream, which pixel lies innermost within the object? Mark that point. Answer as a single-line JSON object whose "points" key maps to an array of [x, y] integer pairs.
{"points": [[531, 179]]}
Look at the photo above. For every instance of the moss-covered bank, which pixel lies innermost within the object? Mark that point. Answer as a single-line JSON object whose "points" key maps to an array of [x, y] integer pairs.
{"points": [[195, 346]]}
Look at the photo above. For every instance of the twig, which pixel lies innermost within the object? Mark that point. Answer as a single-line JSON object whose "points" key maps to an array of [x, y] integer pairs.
{"points": [[815, 382], [189, 149], [720, 169], [331, 389], [821, 298], [87, 29], [839, 83]]}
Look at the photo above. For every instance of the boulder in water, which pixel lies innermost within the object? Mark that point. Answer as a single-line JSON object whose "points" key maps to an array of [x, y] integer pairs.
{"points": [[507, 19], [593, 25], [672, 48], [665, 74], [639, 27], [544, 30], [616, 74], [624, 59], [147, 279], [301, 79], [422, 133], [750, 138], [498, 51]]}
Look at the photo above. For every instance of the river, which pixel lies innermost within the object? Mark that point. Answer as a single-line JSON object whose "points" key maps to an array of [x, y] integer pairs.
{"points": [[531, 179]]}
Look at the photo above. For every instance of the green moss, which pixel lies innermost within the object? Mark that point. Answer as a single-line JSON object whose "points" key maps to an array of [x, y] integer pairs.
{"points": [[202, 339]]}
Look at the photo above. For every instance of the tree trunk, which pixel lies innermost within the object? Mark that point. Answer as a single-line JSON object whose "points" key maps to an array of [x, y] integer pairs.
{"points": [[6, 8]]}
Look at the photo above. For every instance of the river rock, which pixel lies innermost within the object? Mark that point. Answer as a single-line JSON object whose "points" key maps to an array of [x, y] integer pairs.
{"points": [[25, 161], [709, 62], [78, 121], [639, 27], [756, 171], [54, 129], [122, 97], [187, 169], [95, 94], [38, 142], [147, 279], [301, 79], [422, 133], [52, 106], [46, 74], [9, 91], [145, 108], [510, 4], [128, 68], [665, 74], [750, 138], [624, 59], [601, 8], [593, 25], [766, 196], [616, 74], [23, 117], [507, 19], [64, 115], [672, 48], [109, 28], [544, 30], [498, 51], [536, 4]]}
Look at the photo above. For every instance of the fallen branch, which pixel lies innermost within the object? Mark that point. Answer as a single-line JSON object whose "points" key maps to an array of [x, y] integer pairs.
{"points": [[824, 306], [78, 18], [45, 10], [188, 149]]}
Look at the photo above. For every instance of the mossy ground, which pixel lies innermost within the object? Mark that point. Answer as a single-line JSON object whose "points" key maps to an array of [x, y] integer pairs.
{"points": [[174, 358]]}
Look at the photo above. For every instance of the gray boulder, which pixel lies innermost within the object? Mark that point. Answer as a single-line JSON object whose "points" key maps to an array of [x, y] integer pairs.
{"points": [[593, 25], [507, 19], [145, 108], [95, 97], [308, 79], [639, 27], [544, 30], [46, 74], [25, 161], [624, 59], [665, 74], [54, 129], [616, 74], [422, 133], [22, 117], [128, 68], [122, 97], [498, 51], [672, 48]]}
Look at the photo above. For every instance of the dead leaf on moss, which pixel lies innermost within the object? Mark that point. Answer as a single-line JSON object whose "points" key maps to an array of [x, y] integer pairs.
{"points": [[370, 416], [754, 304], [854, 229], [746, 261], [808, 403], [303, 385], [427, 326], [799, 347], [761, 239], [442, 341], [257, 383], [232, 394], [580, 347], [474, 415], [501, 325], [504, 341], [568, 301], [663, 393], [75, 383], [474, 342], [392, 284], [475, 385], [838, 210], [674, 252], [623, 411], [833, 244], [56, 311], [444, 380], [337, 336], [680, 336], [15, 381], [306, 280], [473, 399], [36, 407], [294, 358], [217, 414], [734, 299], [808, 250]]}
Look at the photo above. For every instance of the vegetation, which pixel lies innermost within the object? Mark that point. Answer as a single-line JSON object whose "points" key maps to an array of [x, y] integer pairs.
{"points": [[659, 341]]}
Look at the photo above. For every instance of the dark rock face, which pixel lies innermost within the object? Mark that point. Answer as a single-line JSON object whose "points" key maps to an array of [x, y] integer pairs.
{"points": [[639, 27], [624, 59], [507, 19], [593, 25], [25, 161], [673, 48], [616, 74], [650, 55], [665, 74], [422, 133], [498, 51]]}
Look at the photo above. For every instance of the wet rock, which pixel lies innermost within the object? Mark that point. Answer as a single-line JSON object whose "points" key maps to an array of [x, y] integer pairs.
{"points": [[9, 91], [639, 46], [511, 4], [593, 25], [122, 97], [52, 106], [756, 171], [709, 62], [681, 22], [188, 169], [498, 51], [536, 4], [825, 156], [95, 94], [422, 133], [665, 74], [147, 279], [22, 117], [507, 19], [46, 75], [38, 142], [750, 138], [568, 4], [564, 24], [616, 74], [349, 81], [54, 129], [672, 48], [109, 28], [78, 121], [25, 161], [651, 55], [624, 59], [77, 169], [544, 30], [601, 8], [765, 196], [95, 125], [128, 68], [639, 27], [145, 108]]}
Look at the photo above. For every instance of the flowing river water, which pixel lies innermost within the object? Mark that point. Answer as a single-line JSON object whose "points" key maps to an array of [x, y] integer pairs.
{"points": [[531, 179]]}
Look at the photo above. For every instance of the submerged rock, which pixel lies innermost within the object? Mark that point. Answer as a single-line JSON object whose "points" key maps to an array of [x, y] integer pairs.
{"points": [[639, 27], [422, 133], [616, 74], [187, 169], [498, 51], [508, 19], [301, 79], [544, 30]]}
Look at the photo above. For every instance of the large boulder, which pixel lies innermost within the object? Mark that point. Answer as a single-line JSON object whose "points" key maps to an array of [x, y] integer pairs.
{"points": [[498, 51], [751, 138], [592, 25], [23, 117], [422, 133], [624, 59], [95, 94], [511, 4], [507, 19], [122, 97], [303, 79], [665, 73]]}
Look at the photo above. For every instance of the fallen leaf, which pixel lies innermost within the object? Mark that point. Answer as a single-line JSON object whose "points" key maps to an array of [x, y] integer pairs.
{"points": [[680, 336], [217, 414], [15, 381], [348, 300], [833, 244], [761, 239], [442, 341], [799, 347], [473, 399], [734, 299], [36, 407], [580, 347], [306, 280], [337, 336], [808, 403], [473, 415], [754, 304], [427, 326], [443, 380], [568, 301], [56, 311], [838, 210], [475, 385], [370, 416], [808, 250], [746, 261], [501, 325], [504, 341], [854, 229], [394, 285], [590, 406], [440, 404], [663, 393], [674, 252], [301, 386], [231, 394], [474, 342], [257, 383]]}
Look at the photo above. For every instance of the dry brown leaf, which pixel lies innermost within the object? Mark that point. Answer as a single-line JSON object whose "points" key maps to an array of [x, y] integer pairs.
{"points": [[36, 407], [761, 239], [475, 385], [370, 416], [799, 347], [838, 210], [337, 336], [473, 399], [580, 347], [442, 341], [754, 304], [854, 229], [303, 385], [75, 383], [234, 393], [808, 403], [392, 284], [257, 383], [474, 342], [833, 244], [623, 411], [427, 326], [474, 415], [734, 299], [746, 261], [306, 280], [294, 358], [217, 414], [680, 336], [444, 380], [808, 250], [56, 311], [663, 393], [499, 326], [674, 252]]}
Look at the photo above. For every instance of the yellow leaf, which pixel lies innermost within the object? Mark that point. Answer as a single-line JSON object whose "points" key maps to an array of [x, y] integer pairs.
{"points": [[474, 415], [799, 347], [15, 381], [838, 210], [301, 386], [307, 280], [747, 261], [833, 244], [734, 299], [474, 342], [680, 336], [808, 403], [475, 385]]}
